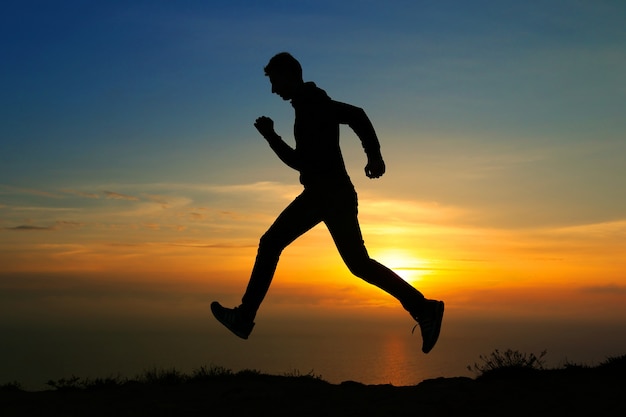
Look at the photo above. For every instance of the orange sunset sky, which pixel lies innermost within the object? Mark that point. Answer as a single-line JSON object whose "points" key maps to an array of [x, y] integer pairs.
{"points": [[133, 183]]}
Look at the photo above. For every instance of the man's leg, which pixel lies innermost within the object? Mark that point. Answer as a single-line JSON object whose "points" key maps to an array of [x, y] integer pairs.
{"points": [[299, 217], [343, 225], [295, 220]]}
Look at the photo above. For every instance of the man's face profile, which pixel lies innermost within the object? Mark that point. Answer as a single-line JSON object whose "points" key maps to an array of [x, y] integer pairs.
{"points": [[283, 85]]}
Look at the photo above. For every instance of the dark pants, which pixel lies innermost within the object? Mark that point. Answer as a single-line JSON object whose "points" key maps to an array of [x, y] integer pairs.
{"points": [[338, 210]]}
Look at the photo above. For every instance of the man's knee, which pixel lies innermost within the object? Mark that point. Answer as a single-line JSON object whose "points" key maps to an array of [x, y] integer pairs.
{"points": [[360, 266], [269, 245]]}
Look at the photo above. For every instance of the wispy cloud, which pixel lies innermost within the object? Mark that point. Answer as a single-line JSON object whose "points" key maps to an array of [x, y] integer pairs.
{"points": [[28, 227], [30, 191], [602, 229], [59, 225], [614, 289], [200, 245], [197, 216], [263, 187], [163, 201], [82, 194], [111, 195], [39, 208], [64, 224]]}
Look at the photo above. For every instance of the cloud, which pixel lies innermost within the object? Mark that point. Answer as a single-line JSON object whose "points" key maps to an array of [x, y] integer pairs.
{"points": [[30, 191], [59, 225], [599, 229], [605, 289], [111, 195], [27, 227], [152, 226], [38, 208], [287, 191], [212, 245], [82, 194], [197, 216], [421, 268], [157, 199], [63, 224]]}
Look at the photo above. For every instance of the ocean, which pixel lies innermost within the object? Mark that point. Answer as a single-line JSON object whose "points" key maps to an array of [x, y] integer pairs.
{"points": [[367, 350]]}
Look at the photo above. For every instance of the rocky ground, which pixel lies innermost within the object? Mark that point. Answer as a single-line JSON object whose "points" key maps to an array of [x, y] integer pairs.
{"points": [[582, 392]]}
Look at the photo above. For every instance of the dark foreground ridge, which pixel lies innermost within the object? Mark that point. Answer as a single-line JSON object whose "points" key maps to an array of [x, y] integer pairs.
{"points": [[573, 391]]}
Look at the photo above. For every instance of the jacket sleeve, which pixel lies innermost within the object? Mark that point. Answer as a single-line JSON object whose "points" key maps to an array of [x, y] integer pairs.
{"points": [[357, 120], [284, 152]]}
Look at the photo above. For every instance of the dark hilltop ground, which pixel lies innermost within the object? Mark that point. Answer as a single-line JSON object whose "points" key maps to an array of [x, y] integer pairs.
{"points": [[503, 391]]}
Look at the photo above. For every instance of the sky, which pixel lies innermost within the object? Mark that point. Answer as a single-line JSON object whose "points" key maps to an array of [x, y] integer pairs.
{"points": [[133, 183]]}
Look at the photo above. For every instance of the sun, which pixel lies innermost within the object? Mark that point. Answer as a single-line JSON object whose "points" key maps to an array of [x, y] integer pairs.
{"points": [[404, 263]]}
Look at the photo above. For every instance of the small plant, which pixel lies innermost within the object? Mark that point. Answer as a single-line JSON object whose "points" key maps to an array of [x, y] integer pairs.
{"points": [[507, 361], [614, 363], [297, 374], [162, 376], [72, 382], [107, 382], [11, 386], [203, 373], [249, 373]]}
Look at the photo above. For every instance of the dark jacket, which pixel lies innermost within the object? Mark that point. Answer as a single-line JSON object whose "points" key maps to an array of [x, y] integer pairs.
{"points": [[317, 155]]}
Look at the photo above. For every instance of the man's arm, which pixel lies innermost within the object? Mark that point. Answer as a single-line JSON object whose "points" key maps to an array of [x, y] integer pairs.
{"points": [[286, 153], [357, 119]]}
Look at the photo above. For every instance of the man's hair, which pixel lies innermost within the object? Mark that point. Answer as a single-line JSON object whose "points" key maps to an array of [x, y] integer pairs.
{"points": [[283, 63]]}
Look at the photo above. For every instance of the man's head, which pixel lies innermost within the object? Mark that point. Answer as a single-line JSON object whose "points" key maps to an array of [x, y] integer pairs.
{"points": [[285, 74]]}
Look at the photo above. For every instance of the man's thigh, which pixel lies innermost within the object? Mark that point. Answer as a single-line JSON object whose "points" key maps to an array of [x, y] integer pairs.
{"points": [[343, 225], [296, 219]]}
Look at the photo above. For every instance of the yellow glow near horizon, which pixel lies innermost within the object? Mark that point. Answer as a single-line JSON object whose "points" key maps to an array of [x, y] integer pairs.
{"points": [[436, 249], [404, 263]]}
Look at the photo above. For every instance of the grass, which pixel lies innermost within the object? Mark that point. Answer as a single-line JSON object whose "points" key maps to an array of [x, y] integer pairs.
{"points": [[513, 363], [498, 364], [165, 377], [11, 386]]}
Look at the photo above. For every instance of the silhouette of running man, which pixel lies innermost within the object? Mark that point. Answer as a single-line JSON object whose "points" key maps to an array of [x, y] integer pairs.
{"points": [[328, 197]]}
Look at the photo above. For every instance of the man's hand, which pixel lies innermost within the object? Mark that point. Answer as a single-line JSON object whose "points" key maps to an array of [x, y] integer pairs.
{"points": [[265, 126], [375, 168]]}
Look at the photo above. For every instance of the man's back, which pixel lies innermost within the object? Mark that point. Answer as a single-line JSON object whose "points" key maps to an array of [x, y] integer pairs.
{"points": [[316, 131]]}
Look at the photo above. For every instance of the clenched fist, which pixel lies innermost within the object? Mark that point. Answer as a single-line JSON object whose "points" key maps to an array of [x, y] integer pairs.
{"points": [[265, 126]]}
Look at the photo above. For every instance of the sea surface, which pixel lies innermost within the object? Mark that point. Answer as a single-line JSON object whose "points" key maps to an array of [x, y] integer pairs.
{"points": [[370, 351]]}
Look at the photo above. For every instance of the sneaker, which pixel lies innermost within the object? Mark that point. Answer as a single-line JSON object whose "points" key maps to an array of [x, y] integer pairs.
{"points": [[430, 323], [233, 319]]}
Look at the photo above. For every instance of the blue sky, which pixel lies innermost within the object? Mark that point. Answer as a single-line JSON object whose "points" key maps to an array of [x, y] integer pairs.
{"points": [[160, 91]]}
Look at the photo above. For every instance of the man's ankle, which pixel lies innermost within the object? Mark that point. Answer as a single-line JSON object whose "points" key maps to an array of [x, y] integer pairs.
{"points": [[416, 307], [247, 313]]}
